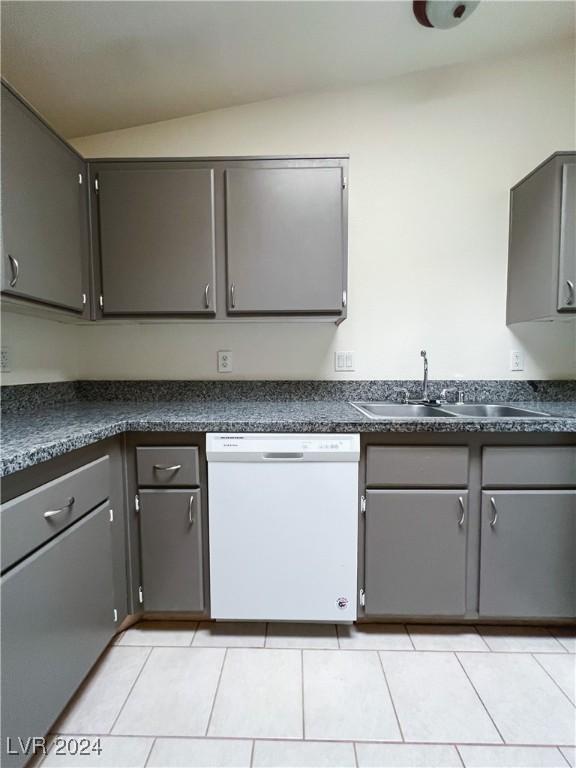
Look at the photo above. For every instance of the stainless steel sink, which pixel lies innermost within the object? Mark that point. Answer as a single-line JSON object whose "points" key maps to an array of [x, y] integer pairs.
{"points": [[400, 410], [492, 411]]}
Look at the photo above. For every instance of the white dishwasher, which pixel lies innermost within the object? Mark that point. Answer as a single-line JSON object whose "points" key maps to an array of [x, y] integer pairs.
{"points": [[283, 526]]}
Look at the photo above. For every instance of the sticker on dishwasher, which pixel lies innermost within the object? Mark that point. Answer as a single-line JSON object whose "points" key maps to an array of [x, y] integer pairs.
{"points": [[342, 603]]}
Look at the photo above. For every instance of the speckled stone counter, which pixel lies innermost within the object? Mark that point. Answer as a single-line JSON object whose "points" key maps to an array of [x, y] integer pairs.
{"points": [[30, 437]]}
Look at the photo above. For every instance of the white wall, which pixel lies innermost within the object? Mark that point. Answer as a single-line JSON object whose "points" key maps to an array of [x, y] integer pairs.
{"points": [[433, 156]]}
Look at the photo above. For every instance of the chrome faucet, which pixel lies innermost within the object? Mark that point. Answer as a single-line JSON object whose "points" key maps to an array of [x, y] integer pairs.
{"points": [[425, 379]]}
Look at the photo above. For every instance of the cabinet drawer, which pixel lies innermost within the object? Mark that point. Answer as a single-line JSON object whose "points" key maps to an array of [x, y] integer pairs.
{"points": [[529, 467], [30, 520], [417, 466], [168, 466], [57, 617]]}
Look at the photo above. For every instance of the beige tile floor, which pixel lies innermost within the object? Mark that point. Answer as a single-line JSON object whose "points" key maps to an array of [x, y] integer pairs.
{"points": [[387, 696]]}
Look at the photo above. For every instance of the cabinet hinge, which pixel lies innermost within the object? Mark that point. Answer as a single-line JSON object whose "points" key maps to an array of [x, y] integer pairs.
{"points": [[137, 503], [362, 597], [80, 179], [111, 515], [344, 298], [140, 595], [363, 504], [96, 184], [115, 615], [101, 302], [84, 299]]}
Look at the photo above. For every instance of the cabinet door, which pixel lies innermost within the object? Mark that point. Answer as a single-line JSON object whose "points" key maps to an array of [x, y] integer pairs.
{"points": [[285, 240], [171, 537], [57, 617], [44, 211], [416, 553], [567, 264], [157, 240], [528, 554]]}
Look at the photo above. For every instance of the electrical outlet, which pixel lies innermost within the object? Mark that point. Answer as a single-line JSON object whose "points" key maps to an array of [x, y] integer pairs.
{"points": [[516, 360], [224, 361], [4, 360], [344, 361]]}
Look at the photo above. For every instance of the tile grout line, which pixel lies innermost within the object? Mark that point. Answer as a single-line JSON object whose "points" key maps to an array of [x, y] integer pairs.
{"points": [[564, 757], [130, 691], [252, 749], [216, 692], [194, 633], [553, 680], [391, 697], [481, 636], [355, 753], [409, 636], [302, 687], [479, 698], [150, 752], [457, 748]]}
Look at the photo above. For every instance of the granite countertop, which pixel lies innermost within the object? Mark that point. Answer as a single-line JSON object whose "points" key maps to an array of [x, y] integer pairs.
{"points": [[32, 437]]}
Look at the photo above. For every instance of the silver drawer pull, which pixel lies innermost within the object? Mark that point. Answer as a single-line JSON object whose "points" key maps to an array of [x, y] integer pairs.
{"points": [[463, 515], [190, 508], [161, 468], [15, 267], [495, 515], [232, 296], [569, 297], [66, 508], [207, 296], [278, 456]]}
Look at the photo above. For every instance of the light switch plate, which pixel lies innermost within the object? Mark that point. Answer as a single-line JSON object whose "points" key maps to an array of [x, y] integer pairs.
{"points": [[224, 361], [344, 361]]}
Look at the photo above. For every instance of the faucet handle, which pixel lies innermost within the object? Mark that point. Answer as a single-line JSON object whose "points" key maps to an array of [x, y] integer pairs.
{"points": [[404, 393], [458, 392]]}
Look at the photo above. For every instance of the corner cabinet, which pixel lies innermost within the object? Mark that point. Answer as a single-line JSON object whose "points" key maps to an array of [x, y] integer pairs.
{"points": [[44, 212], [542, 247], [222, 239]]}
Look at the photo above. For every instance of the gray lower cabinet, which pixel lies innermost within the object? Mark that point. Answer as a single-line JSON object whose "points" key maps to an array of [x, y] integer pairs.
{"points": [[156, 239], [57, 617], [44, 211], [171, 549], [527, 562], [542, 243], [415, 552], [285, 240]]}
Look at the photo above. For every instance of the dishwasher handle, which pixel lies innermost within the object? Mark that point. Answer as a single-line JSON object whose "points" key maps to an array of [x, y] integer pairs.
{"points": [[282, 456]]}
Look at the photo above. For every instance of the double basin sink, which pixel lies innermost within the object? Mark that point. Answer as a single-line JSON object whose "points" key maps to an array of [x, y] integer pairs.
{"points": [[423, 410]]}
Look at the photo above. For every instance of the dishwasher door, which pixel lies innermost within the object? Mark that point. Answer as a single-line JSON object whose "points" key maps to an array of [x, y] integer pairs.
{"points": [[283, 527]]}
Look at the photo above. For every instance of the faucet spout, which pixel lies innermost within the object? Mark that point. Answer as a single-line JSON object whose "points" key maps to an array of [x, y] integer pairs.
{"points": [[425, 379]]}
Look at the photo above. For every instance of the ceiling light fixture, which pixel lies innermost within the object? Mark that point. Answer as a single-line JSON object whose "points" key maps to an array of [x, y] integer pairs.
{"points": [[443, 14]]}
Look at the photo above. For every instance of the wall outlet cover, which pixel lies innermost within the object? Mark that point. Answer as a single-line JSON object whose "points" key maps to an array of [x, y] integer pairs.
{"points": [[516, 360], [224, 361]]}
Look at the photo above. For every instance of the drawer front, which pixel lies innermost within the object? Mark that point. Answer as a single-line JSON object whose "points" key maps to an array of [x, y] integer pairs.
{"points": [[417, 466], [57, 617], [529, 467], [167, 467], [32, 519]]}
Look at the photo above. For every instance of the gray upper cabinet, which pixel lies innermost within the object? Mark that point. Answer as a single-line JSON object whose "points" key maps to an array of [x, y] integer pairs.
{"points": [[542, 247], [415, 553], [171, 541], [527, 563], [156, 239], [285, 240], [44, 212]]}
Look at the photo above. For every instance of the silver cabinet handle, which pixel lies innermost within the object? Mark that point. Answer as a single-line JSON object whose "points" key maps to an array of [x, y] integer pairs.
{"points": [[232, 296], [173, 468], [569, 297], [190, 508], [15, 267], [495, 515], [207, 296], [66, 508], [462, 507]]}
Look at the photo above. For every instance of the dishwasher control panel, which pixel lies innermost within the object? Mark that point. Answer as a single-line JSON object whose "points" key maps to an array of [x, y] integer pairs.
{"points": [[279, 447]]}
